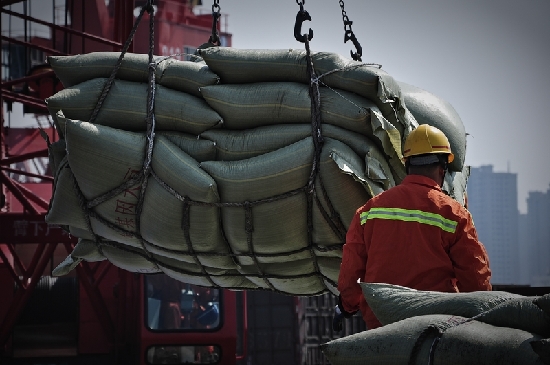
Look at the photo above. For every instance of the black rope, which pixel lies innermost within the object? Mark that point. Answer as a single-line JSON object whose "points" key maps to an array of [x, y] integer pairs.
{"points": [[186, 226], [429, 331], [150, 121], [439, 328], [249, 229], [86, 211], [154, 260], [334, 221], [318, 141], [133, 181], [107, 86]]}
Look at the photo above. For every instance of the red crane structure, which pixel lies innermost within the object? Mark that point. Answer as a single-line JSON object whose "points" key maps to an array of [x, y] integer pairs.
{"points": [[91, 315]]}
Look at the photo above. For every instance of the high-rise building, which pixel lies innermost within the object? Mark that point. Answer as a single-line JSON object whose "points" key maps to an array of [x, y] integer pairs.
{"points": [[493, 202], [535, 238]]}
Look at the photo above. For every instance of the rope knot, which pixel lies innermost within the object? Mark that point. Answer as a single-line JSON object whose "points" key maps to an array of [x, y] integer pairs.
{"points": [[314, 80]]}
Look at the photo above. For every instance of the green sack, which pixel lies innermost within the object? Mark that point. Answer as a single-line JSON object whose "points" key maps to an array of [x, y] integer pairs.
{"points": [[238, 145], [237, 66], [392, 303], [411, 341], [65, 205], [185, 76], [455, 184], [428, 108], [125, 107]]}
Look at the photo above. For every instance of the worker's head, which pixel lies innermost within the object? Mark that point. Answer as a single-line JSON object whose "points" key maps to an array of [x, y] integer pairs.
{"points": [[427, 152]]}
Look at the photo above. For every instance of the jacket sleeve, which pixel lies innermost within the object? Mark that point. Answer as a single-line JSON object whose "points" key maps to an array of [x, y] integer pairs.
{"points": [[353, 266], [470, 259]]}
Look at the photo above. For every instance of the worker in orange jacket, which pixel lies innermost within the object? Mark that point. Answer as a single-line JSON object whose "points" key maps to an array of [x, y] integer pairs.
{"points": [[413, 234]]}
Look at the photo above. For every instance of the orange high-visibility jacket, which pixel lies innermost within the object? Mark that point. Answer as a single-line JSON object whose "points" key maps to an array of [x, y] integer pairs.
{"points": [[412, 235]]}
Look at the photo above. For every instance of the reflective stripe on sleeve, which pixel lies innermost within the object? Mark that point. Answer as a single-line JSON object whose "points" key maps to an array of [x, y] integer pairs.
{"points": [[407, 215]]}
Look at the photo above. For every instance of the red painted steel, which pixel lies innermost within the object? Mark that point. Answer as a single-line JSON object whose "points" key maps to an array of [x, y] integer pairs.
{"points": [[32, 274], [111, 318]]}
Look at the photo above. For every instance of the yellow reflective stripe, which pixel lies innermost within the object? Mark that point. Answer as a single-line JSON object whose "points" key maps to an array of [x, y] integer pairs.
{"points": [[407, 215]]}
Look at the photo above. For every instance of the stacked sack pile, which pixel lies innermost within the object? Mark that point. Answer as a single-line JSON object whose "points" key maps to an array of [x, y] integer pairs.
{"points": [[231, 184], [424, 327]]}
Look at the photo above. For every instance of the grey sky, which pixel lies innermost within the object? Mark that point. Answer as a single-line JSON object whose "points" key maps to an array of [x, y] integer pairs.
{"points": [[488, 58]]}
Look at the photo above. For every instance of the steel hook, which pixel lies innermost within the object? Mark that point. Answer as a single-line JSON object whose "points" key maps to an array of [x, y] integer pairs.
{"points": [[357, 55], [302, 16]]}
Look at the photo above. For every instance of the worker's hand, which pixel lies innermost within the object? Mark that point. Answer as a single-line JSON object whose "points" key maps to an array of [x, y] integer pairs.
{"points": [[337, 319], [339, 315]]}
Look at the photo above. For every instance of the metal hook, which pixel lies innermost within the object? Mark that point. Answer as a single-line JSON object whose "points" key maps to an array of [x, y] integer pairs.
{"points": [[214, 38], [356, 56], [301, 17], [350, 35]]}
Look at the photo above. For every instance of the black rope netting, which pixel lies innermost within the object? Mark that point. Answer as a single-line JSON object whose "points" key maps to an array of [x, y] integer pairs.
{"points": [[314, 191]]}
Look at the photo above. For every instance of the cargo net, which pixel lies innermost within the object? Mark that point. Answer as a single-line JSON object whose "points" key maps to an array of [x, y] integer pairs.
{"points": [[246, 175]]}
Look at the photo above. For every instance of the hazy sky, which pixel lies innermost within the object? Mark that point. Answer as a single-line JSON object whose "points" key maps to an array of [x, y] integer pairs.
{"points": [[490, 59]]}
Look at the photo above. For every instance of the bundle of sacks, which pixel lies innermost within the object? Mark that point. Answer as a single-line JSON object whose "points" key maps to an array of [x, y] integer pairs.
{"points": [[240, 193], [424, 327]]}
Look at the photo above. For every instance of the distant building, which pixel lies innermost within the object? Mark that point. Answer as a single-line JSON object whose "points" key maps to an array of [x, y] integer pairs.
{"points": [[535, 239], [493, 202]]}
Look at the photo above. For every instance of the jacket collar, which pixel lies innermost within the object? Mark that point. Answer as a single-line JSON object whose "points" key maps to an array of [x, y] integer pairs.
{"points": [[421, 180]]}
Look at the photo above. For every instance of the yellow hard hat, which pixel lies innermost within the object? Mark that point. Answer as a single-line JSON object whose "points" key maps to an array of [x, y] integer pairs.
{"points": [[427, 139]]}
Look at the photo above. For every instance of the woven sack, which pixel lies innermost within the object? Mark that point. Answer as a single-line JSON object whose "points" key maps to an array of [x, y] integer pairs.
{"points": [[276, 174], [455, 184], [236, 66], [64, 208], [236, 145], [269, 103], [272, 103], [125, 107], [467, 343], [391, 303], [56, 153], [185, 76], [428, 108]]}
